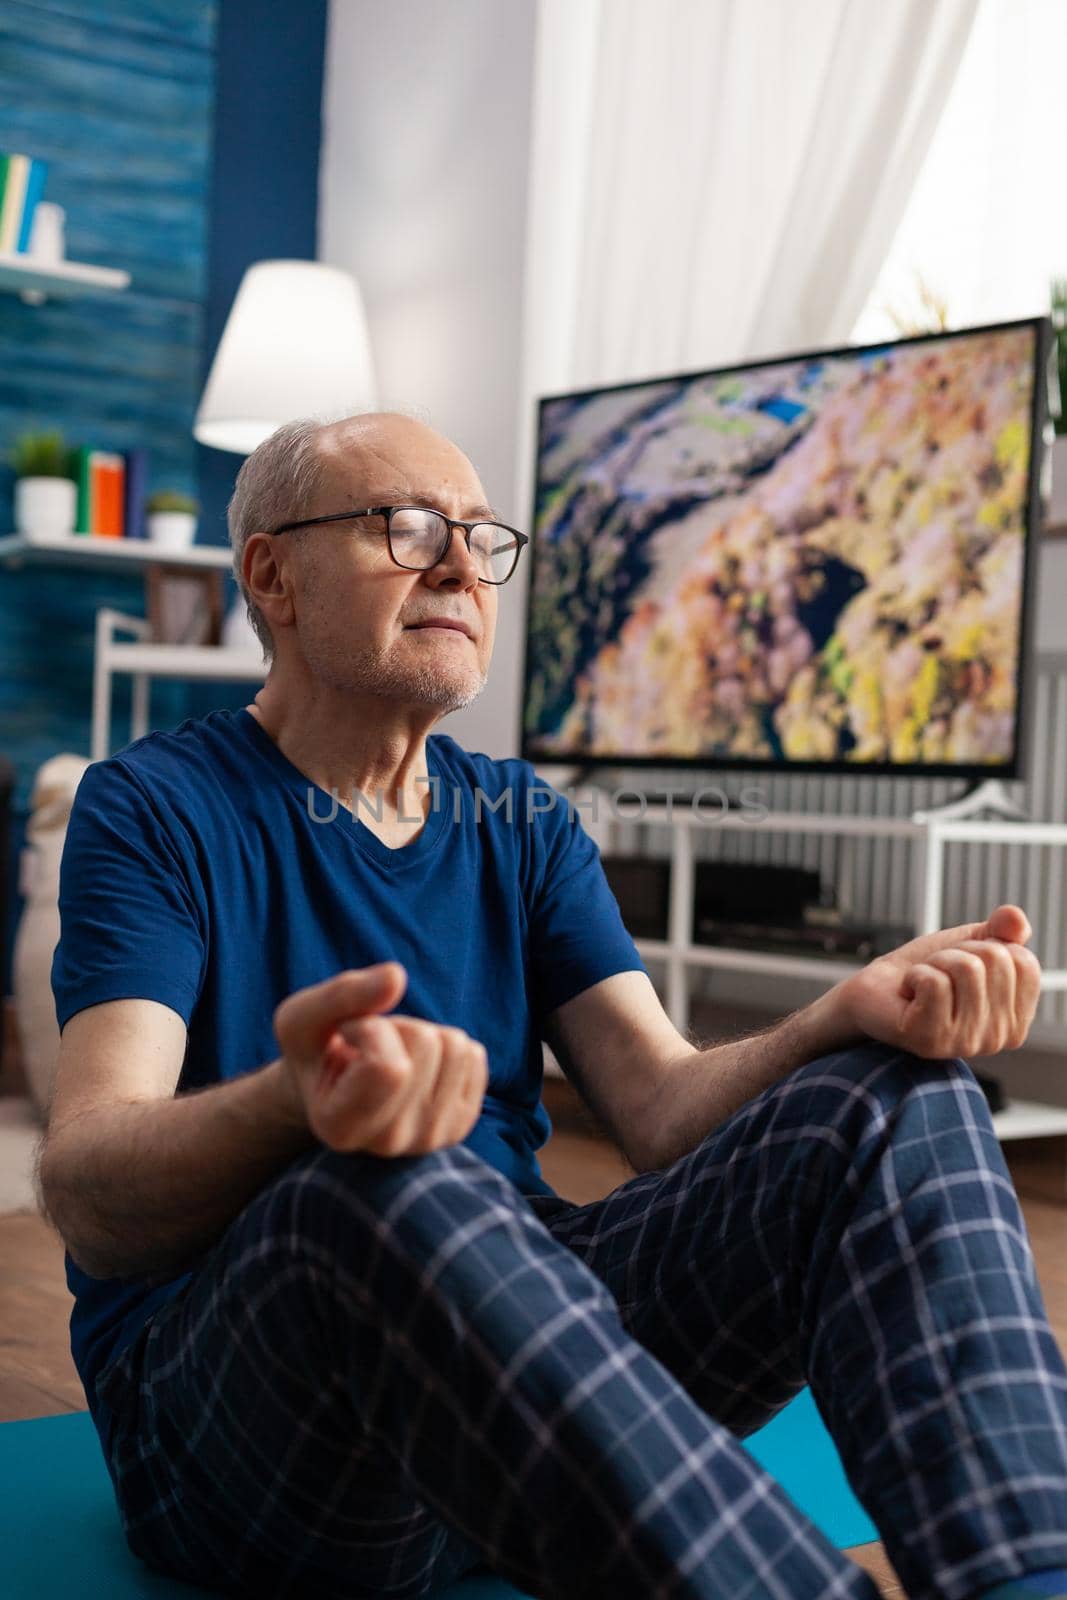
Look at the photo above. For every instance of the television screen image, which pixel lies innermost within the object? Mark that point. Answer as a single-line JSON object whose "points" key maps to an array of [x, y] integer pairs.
{"points": [[817, 562]]}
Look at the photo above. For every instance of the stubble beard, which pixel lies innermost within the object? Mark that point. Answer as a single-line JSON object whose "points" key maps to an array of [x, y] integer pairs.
{"points": [[355, 669]]}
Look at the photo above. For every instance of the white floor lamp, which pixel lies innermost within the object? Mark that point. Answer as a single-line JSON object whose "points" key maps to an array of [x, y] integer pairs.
{"points": [[295, 345]]}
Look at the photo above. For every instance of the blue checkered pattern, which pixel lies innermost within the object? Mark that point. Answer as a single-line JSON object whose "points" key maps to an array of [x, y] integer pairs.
{"points": [[390, 1371]]}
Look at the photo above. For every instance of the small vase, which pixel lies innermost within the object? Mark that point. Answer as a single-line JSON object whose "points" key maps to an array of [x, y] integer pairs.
{"points": [[174, 530], [45, 508]]}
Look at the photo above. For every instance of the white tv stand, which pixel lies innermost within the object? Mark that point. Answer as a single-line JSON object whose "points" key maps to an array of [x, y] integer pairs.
{"points": [[930, 831]]}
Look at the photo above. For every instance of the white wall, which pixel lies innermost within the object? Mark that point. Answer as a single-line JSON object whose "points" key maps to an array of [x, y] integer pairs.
{"points": [[1052, 596], [422, 195], [423, 191]]}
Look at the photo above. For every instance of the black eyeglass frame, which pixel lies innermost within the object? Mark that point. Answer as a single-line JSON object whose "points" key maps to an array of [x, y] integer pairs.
{"points": [[453, 522]]}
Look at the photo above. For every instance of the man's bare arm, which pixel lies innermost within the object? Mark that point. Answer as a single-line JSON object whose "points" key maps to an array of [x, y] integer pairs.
{"points": [[143, 1188], [970, 990], [140, 1182], [704, 1088], [656, 1092]]}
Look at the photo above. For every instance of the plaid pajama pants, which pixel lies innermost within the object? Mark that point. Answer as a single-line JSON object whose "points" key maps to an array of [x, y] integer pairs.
{"points": [[391, 1371]]}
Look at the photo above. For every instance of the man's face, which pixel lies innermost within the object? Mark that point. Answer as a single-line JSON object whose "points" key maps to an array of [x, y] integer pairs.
{"points": [[364, 624]]}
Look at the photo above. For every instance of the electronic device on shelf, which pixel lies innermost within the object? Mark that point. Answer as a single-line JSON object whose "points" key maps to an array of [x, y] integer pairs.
{"points": [[820, 562], [642, 886], [751, 891], [845, 941], [993, 1090]]}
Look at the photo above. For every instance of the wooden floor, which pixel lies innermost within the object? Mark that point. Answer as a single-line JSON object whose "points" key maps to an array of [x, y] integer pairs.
{"points": [[37, 1376]]}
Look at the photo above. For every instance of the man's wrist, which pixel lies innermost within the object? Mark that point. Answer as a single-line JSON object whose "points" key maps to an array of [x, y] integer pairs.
{"points": [[828, 1023], [286, 1098]]}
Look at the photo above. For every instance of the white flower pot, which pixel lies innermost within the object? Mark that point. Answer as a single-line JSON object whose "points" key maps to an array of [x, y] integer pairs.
{"points": [[174, 530], [45, 508]]}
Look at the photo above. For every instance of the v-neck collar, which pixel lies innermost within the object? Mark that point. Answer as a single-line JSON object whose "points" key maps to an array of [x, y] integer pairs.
{"points": [[319, 803]]}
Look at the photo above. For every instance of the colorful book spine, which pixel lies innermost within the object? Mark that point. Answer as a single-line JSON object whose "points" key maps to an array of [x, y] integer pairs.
{"points": [[21, 187], [136, 489], [18, 169], [34, 192], [83, 513], [109, 494], [101, 494]]}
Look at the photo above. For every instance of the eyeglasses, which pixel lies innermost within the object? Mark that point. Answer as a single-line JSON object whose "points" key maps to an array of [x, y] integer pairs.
{"points": [[418, 539]]}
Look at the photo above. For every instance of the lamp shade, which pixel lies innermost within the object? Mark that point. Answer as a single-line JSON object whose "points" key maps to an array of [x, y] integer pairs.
{"points": [[294, 345]]}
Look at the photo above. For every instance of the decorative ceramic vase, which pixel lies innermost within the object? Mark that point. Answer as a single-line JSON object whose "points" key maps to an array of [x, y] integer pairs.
{"points": [[45, 508], [174, 530]]}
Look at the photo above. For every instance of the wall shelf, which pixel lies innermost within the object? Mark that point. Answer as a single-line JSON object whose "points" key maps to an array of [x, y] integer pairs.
{"points": [[37, 280], [1026, 1119], [89, 550], [214, 662], [732, 960]]}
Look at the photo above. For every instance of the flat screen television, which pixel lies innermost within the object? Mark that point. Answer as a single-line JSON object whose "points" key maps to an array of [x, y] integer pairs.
{"points": [[820, 562]]}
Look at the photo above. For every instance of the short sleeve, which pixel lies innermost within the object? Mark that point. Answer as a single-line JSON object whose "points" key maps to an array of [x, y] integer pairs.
{"points": [[577, 935], [130, 924]]}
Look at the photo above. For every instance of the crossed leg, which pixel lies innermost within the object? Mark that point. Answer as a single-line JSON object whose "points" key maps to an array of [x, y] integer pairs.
{"points": [[855, 1227], [390, 1371]]}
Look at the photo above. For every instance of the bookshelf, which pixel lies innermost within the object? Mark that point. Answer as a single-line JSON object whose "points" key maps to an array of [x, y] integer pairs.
{"points": [[36, 280], [130, 555]]}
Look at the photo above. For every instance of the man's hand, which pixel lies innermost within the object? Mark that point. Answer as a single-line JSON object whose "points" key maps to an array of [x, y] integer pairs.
{"points": [[389, 1085], [963, 991]]}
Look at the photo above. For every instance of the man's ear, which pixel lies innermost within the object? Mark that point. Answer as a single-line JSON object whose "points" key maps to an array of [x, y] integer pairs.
{"points": [[270, 579]]}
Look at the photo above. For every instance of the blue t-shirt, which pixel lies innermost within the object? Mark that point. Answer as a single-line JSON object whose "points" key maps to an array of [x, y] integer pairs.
{"points": [[203, 870]]}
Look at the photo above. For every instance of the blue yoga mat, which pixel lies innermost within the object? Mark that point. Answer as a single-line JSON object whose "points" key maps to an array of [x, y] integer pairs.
{"points": [[60, 1531], [797, 1450]]}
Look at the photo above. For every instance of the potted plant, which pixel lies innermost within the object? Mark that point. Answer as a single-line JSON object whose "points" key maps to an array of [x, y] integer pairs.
{"points": [[1057, 510], [171, 518], [46, 495]]}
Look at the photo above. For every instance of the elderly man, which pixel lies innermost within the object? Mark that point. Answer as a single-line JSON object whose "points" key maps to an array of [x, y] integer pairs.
{"points": [[337, 1334]]}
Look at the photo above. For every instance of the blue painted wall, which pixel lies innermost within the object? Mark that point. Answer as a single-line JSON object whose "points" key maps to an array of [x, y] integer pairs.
{"points": [[183, 141], [264, 185], [117, 96]]}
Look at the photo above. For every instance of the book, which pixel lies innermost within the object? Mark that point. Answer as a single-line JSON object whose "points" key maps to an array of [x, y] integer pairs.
{"points": [[18, 168], [101, 493], [136, 487], [34, 191], [108, 494], [82, 517]]}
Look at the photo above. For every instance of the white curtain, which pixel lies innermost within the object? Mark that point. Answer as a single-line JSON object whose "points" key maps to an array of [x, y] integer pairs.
{"points": [[715, 180]]}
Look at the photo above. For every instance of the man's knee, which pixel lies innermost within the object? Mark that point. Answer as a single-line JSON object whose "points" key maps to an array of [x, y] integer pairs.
{"points": [[883, 1079], [372, 1233], [872, 1060], [340, 1197]]}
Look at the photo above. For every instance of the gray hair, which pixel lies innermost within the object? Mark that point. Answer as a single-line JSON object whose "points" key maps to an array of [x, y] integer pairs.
{"points": [[277, 483]]}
